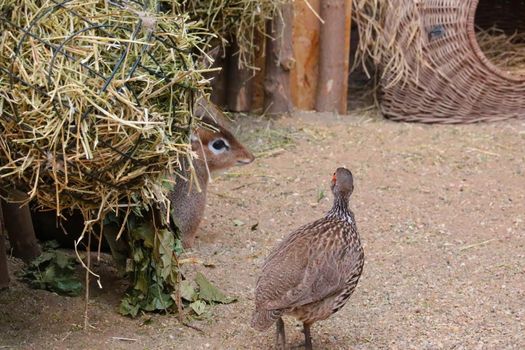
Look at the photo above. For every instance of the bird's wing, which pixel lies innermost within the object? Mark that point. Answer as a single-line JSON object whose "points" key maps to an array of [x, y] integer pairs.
{"points": [[282, 271], [320, 279], [307, 267]]}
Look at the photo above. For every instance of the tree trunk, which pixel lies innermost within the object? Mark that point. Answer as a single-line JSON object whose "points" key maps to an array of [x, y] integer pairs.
{"points": [[279, 62], [4, 273], [239, 88], [332, 60], [21, 232]]}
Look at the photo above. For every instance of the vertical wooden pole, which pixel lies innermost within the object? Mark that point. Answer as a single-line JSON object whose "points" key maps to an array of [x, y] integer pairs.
{"points": [[21, 232], [343, 108], [279, 61], [307, 42], [239, 95], [4, 273], [332, 57], [306, 53]]}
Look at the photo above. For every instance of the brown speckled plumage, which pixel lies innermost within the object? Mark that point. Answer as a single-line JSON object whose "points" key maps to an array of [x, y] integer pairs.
{"points": [[313, 272]]}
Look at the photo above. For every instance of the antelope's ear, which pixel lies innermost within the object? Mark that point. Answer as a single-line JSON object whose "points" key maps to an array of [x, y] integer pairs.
{"points": [[208, 58]]}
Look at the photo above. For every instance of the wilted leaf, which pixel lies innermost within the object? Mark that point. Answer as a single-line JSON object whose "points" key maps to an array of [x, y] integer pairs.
{"points": [[209, 292], [178, 247], [187, 292], [198, 306], [63, 261], [166, 244], [128, 308], [144, 232], [54, 271], [69, 286]]}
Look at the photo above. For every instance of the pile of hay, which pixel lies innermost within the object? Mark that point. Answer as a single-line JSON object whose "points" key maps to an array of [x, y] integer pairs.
{"points": [[380, 39], [239, 20], [95, 101], [504, 50]]}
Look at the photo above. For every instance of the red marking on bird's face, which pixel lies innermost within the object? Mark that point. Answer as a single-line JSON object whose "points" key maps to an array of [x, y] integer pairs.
{"points": [[334, 178]]}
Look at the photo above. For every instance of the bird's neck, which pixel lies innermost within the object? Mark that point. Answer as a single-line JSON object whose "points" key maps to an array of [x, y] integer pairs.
{"points": [[340, 210]]}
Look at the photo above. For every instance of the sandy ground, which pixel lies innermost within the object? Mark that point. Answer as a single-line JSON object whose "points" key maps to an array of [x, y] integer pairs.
{"points": [[440, 209]]}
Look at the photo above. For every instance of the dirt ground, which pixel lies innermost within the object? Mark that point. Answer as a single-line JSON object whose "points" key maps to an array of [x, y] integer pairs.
{"points": [[440, 209]]}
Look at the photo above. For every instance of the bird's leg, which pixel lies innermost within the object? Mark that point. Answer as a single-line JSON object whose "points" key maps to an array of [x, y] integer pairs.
{"points": [[307, 338], [281, 337]]}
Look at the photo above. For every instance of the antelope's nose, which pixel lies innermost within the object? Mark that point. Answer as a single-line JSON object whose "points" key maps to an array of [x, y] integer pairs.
{"points": [[243, 161]]}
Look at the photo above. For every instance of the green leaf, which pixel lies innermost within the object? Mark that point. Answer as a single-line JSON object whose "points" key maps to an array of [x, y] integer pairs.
{"points": [[178, 247], [54, 271], [128, 307], [62, 260], [144, 232], [209, 292], [166, 244], [198, 307], [157, 299], [69, 286]]}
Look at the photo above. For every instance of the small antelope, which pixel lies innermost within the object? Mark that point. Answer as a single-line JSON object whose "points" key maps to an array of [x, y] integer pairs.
{"points": [[216, 150]]}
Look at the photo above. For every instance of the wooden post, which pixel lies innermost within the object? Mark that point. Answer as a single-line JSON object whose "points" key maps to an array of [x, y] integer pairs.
{"points": [[4, 273], [307, 44], [306, 52], [239, 95], [332, 57], [21, 232], [279, 61]]}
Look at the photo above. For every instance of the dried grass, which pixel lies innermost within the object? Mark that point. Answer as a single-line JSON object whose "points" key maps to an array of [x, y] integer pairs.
{"points": [[241, 20], [504, 50], [390, 42], [95, 102]]}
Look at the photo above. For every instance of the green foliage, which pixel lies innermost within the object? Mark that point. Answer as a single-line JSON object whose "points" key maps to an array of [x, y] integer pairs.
{"points": [[153, 270], [53, 270], [156, 283]]}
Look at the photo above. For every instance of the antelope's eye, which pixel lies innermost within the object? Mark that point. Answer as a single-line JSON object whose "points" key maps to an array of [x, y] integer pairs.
{"points": [[218, 146]]}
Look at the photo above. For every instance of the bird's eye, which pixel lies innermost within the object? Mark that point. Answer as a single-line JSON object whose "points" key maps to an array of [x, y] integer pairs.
{"points": [[219, 145]]}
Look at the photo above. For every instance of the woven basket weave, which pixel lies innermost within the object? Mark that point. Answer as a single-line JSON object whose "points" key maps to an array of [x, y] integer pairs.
{"points": [[450, 80]]}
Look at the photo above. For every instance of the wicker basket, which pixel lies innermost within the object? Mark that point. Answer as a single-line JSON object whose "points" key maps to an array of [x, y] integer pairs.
{"points": [[450, 79]]}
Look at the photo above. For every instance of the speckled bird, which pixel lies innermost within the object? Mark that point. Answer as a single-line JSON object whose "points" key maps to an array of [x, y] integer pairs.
{"points": [[313, 272]]}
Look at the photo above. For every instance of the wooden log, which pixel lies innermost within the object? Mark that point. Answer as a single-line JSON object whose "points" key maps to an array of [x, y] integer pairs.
{"points": [[279, 62], [20, 231], [239, 89], [332, 57], [4, 273]]}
